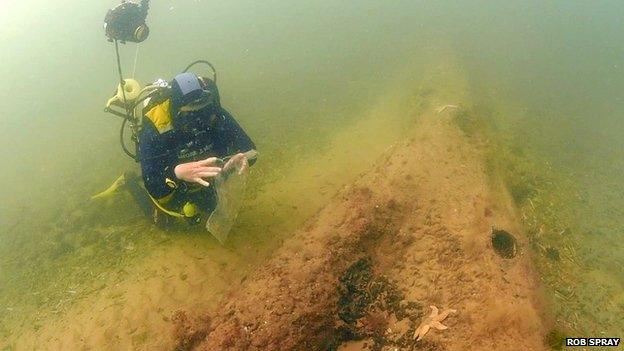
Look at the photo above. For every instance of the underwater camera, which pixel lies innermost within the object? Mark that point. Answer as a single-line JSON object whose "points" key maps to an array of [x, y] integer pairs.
{"points": [[126, 22]]}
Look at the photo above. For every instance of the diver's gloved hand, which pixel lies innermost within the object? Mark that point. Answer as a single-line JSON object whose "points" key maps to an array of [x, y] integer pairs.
{"points": [[197, 172], [238, 159]]}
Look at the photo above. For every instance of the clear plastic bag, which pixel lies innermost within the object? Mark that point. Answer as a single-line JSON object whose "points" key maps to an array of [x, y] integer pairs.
{"points": [[230, 189]]}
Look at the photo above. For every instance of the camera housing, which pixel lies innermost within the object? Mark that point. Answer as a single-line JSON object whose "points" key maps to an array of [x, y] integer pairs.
{"points": [[126, 22]]}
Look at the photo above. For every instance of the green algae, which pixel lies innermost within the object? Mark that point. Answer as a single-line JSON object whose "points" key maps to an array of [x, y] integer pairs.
{"points": [[561, 225]]}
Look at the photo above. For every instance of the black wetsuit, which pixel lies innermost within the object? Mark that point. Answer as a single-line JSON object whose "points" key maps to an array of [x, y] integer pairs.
{"points": [[210, 132]]}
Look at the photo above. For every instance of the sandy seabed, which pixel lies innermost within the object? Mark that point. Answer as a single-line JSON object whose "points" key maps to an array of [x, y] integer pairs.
{"points": [[411, 232], [362, 274]]}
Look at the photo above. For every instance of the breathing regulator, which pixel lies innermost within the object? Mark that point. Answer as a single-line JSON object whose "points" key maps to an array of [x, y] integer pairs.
{"points": [[126, 23]]}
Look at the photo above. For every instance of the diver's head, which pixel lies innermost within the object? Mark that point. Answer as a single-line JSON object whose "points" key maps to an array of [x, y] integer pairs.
{"points": [[193, 93]]}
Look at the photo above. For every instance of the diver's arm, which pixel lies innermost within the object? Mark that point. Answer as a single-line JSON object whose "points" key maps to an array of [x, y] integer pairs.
{"points": [[157, 163], [237, 140], [162, 173], [198, 171]]}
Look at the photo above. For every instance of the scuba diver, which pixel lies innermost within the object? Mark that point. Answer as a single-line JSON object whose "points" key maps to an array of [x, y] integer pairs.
{"points": [[185, 142]]}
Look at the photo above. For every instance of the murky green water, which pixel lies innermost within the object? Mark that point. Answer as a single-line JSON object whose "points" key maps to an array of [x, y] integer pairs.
{"points": [[319, 86]]}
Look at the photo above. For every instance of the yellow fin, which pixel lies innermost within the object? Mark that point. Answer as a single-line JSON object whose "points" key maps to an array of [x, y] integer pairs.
{"points": [[111, 189]]}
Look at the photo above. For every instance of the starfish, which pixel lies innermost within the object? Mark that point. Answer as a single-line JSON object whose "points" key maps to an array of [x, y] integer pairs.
{"points": [[433, 321]]}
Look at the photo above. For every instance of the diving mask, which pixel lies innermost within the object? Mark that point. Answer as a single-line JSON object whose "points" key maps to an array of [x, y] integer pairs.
{"points": [[193, 93]]}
